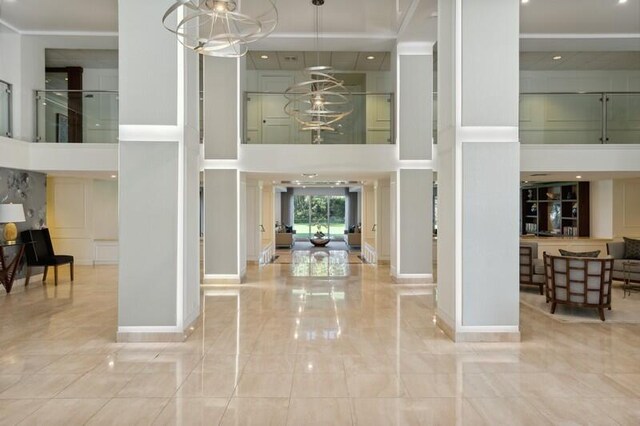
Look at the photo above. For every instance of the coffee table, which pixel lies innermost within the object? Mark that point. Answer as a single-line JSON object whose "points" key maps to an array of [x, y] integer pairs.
{"points": [[319, 242], [628, 286]]}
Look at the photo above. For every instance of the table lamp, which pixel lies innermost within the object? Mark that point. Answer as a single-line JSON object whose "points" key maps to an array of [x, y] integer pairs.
{"points": [[9, 214]]}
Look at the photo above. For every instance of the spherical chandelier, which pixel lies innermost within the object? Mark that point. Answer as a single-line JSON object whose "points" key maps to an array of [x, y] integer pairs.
{"points": [[216, 28], [320, 100]]}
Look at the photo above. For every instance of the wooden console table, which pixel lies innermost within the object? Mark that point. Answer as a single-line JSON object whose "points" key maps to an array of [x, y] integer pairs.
{"points": [[8, 266]]}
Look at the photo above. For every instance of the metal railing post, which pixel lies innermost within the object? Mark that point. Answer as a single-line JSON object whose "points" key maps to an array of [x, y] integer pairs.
{"points": [[604, 99]]}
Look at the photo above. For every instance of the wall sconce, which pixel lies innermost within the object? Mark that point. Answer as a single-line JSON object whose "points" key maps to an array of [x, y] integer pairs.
{"points": [[262, 229], [373, 228]]}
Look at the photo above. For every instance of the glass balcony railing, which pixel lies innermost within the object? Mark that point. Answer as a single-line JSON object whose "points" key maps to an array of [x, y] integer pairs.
{"points": [[580, 118], [371, 122], [5, 109], [72, 116]]}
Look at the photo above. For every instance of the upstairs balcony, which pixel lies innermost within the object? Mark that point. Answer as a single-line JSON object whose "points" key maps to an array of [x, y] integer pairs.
{"points": [[5, 109], [580, 118], [371, 122], [71, 116]]}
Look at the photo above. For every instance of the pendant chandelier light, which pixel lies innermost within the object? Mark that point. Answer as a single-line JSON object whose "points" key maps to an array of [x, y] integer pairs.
{"points": [[216, 28], [320, 100]]}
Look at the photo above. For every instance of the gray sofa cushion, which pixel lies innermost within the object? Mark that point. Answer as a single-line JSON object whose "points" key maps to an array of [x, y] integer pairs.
{"points": [[631, 248], [534, 248], [616, 249], [568, 253], [538, 267]]}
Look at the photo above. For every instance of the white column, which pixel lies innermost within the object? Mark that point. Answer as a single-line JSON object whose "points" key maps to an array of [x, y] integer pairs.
{"points": [[478, 169], [225, 188], [602, 211], [415, 100], [223, 226], [413, 226], [383, 221], [411, 185], [158, 293]]}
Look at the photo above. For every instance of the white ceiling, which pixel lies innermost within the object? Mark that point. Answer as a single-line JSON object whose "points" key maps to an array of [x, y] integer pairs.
{"points": [[61, 15], [342, 61], [86, 58], [362, 25], [542, 61], [366, 178], [571, 176]]}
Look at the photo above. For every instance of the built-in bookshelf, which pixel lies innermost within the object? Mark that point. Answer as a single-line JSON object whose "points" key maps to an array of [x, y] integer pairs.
{"points": [[555, 209]]}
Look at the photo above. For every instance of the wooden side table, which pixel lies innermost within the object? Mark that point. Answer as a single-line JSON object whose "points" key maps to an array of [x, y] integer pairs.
{"points": [[8, 266], [628, 286]]}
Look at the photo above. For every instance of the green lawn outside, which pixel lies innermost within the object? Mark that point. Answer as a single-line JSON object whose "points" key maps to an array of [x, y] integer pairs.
{"points": [[302, 229]]}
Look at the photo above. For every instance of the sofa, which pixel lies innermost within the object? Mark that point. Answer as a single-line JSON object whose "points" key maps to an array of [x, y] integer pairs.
{"points": [[285, 239], [578, 281], [616, 250], [353, 239], [531, 268]]}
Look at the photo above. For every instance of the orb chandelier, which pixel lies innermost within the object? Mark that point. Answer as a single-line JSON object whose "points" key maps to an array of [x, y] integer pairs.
{"points": [[216, 28], [320, 100]]}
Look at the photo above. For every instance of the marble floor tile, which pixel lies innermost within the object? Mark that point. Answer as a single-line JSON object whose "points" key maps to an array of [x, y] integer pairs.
{"points": [[256, 412], [319, 411], [192, 411], [371, 385], [15, 410], [38, 386], [129, 411], [323, 385], [296, 350], [264, 385], [96, 385], [65, 412]]}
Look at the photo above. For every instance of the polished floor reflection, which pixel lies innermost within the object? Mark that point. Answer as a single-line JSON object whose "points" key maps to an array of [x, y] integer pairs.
{"points": [[299, 351]]}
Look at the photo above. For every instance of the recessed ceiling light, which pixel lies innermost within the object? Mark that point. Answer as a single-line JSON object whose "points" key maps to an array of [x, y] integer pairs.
{"points": [[578, 177], [371, 57], [557, 57], [113, 176], [622, 1], [66, 79], [264, 57], [525, 1]]}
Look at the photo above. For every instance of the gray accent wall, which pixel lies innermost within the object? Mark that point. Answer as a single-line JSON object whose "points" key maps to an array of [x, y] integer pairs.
{"points": [[221, 222], [220, 108], [29, 189], [148, 184], [485, 103], [416, 106], [416, 216], [286, 207], [490, 227], [353, 217]]}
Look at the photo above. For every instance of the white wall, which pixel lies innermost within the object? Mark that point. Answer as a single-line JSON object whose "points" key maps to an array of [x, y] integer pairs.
{"points": [[10, 46], [626, 208], [32, 68], [601, 208], [82, 215]]}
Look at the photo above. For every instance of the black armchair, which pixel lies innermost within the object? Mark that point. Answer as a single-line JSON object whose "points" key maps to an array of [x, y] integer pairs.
{"points": [[40, 253]]}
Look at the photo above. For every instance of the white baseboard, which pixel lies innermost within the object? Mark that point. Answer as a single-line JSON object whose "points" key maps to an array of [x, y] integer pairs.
{"points": [[222, 279], [488, 334], [155, 333]]}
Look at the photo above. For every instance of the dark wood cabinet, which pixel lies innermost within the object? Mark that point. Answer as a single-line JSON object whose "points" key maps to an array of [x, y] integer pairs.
{"points": [[555, 209]]}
